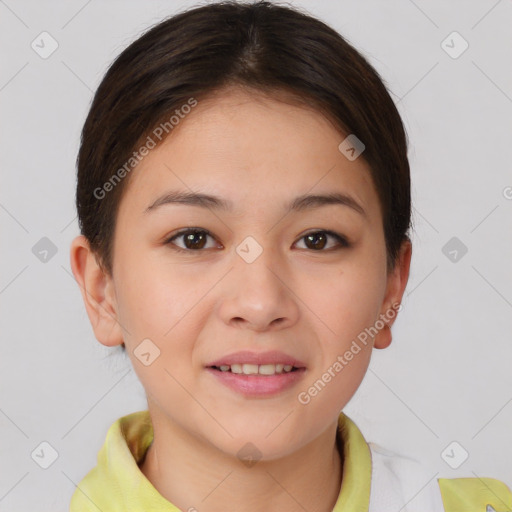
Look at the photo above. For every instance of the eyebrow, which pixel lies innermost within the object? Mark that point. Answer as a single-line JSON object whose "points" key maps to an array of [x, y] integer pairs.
{"points": [[300, 203]]}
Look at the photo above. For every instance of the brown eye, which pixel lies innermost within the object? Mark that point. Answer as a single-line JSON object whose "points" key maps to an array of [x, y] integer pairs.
{"points": [[193, 239], [318, 240]]}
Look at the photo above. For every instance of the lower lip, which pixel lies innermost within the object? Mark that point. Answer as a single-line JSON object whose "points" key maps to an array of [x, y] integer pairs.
{"points": [[258, 385]]}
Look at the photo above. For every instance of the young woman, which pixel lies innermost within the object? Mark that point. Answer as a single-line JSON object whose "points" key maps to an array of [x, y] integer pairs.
{"points": [[244, 202]]}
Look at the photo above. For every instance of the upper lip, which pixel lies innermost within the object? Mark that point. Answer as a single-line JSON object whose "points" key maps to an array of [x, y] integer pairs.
{"points": [[259, 358]]}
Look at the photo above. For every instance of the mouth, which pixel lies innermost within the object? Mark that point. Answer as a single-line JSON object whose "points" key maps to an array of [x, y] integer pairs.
{"points": [[255, 369], [257, 374], [257, 381]]}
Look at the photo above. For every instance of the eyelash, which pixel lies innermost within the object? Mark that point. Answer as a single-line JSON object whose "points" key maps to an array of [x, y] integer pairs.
{"points": [[343, 242]]}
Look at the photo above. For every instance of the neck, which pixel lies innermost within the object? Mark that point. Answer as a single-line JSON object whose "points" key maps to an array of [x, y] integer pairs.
{"points": [[196, 476]]}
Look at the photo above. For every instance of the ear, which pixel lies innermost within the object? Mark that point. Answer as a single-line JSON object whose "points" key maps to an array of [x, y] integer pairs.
{"points": [[396, 283], [98, 292]]}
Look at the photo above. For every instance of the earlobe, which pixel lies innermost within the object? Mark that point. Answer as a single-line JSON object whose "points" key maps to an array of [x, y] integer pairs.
{"points": [[97, 291], [383, 338], [397, 281]]}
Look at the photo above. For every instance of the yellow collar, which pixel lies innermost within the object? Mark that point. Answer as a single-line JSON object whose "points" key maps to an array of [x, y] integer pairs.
{"points": [[117, 484]]}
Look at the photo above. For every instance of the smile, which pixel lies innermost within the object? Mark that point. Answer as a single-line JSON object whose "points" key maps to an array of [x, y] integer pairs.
{"points": [[254, 369]]}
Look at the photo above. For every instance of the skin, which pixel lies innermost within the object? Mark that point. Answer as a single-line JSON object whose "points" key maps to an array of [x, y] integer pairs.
{"points": [[198, 306]]}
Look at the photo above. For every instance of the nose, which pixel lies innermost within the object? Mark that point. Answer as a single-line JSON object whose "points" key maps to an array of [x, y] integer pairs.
{"points": [[259, 295]]}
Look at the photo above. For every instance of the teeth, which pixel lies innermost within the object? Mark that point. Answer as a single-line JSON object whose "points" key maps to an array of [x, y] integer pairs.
{"points": [[249, 369], [236, 368], [267, 369], [254, 369]]}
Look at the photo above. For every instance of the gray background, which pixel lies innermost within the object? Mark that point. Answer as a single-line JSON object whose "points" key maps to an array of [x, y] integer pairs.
{"points": [[447, 375]]}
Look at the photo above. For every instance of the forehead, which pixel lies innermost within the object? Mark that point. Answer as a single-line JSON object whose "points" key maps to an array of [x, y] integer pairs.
{"points": [[250, 148]]}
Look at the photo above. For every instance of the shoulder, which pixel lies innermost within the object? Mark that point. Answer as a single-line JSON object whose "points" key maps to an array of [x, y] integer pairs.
{"points": [[403, 483], [478, 494]]}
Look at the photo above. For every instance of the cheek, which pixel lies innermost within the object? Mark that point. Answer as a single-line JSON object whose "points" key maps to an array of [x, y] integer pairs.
{"points": [[159, 305], [347, 307], [344, 302], [153, 299]]}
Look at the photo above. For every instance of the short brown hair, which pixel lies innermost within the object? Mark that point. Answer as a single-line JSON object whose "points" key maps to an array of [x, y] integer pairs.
{"points": [[261, 46]]}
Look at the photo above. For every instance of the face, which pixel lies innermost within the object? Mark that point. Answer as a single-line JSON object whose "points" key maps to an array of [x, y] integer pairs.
{"points": [[203, 281]]}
